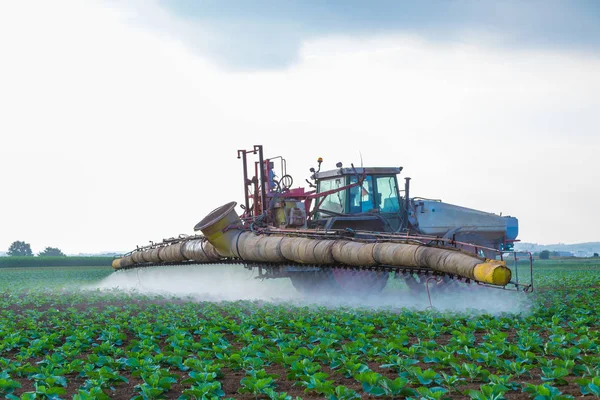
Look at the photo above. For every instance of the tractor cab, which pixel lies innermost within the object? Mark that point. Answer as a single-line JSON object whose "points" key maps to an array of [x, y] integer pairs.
{"points": [[365, 199], [373, 205]]}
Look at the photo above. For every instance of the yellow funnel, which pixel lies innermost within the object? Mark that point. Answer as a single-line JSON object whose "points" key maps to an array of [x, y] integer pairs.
{"points": [[213, 227]]}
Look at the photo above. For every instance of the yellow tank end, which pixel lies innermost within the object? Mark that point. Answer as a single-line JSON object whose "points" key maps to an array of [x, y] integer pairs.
{"points": [[493, 272], [116, 264]]}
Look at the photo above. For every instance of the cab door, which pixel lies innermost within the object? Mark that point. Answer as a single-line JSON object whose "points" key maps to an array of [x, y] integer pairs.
{"points": [[386, 199]]}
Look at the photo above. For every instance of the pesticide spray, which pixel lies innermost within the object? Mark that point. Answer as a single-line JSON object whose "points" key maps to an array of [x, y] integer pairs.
{"points": [[216, 283]]}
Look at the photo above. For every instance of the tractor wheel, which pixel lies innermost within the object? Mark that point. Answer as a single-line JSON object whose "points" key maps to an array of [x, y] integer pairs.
{"points": [[444, 285], [339, 281], [360, 282], [418, 284], [313, 282]]}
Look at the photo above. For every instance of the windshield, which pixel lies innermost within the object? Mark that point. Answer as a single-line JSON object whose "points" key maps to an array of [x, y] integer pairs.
{"points": [[335, 202], [377, 194]]}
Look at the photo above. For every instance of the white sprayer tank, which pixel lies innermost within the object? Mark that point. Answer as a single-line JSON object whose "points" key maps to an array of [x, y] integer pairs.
{"points": [[436, 218]]}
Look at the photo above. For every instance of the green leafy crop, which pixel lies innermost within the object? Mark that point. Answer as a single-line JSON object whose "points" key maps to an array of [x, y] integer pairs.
{"points": [[58, 341]]}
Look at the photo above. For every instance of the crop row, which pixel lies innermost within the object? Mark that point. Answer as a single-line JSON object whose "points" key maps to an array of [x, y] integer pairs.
{"points": [[57, 342], [50, 341], [50, 261]]}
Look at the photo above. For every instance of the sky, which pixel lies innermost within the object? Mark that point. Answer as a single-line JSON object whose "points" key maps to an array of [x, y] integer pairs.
{"points": [[120, 121]]}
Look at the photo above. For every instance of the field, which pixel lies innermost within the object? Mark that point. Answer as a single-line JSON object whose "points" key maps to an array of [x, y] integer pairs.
{"points": [[58, 340], [49, 261]]}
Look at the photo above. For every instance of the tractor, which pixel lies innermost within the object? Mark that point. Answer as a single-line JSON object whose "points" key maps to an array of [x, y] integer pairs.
{"points": [[349, 231]]}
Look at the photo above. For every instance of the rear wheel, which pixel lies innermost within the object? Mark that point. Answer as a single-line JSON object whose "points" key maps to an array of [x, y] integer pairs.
{"points": [[339, 281], [443, 284], [437, 284], [313, 282], [355, 281]]}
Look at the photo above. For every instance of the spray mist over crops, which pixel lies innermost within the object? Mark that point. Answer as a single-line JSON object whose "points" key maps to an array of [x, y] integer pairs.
{"points": [[233, 282], [201, 282]]}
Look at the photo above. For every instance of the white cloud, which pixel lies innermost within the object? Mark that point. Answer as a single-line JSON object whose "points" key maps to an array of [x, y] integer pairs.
{"points": [[113, 134]]}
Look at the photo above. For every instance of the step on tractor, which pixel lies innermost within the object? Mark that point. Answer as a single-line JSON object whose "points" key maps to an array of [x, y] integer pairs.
{"points": [[349, 231]]}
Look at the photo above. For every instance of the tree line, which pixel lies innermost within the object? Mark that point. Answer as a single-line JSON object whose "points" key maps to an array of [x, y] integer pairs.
{"points": [[19, 248], [546, 254]]}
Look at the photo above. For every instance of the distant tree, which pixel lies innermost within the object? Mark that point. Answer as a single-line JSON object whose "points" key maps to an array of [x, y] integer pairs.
{"points": [[544, 255], [19, 248], [596, 255], [51, 252]]}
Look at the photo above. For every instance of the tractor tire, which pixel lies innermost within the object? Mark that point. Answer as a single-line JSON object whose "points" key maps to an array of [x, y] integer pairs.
{"points": [[417, 285], [313, 282], [360, 282], [339, 281]]}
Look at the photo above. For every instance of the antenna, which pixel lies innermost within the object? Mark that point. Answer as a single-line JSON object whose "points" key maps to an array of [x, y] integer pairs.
{"points": [[361, 159]]}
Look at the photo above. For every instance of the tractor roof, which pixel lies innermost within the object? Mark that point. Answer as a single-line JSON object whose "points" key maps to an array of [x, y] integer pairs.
{"points": [[352, 171]]}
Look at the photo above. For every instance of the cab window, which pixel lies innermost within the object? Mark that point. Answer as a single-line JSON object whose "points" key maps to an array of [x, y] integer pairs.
{"points": [[387, 194], [335, 202], [362, 197]]}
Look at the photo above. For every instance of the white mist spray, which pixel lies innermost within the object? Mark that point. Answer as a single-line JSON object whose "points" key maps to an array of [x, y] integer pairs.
{"points": [[202, 282], [234, 282]]}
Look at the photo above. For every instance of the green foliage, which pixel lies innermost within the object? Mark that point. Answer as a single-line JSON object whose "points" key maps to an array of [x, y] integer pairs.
{"points": [[434, 393], [95, 393], [57, 339], [156, 383], [396, 388], [257, 382], [545, 392], [344, 393], [19, 248], [555, 375], [589, 385], [51, 252], [7, 385], [489, 392], [544, 255], [54, 261]]}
